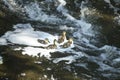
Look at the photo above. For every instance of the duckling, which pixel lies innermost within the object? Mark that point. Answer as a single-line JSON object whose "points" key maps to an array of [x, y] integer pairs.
{"points": [[46, 41], [67, 44], [62, 37], [52, 46]]}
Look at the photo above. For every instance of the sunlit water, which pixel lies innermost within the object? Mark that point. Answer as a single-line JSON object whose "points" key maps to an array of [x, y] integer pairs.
{"points": [[106, 57]]}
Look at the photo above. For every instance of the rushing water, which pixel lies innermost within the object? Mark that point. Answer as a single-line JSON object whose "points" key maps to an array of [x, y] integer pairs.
{"points": [[88, 56]]}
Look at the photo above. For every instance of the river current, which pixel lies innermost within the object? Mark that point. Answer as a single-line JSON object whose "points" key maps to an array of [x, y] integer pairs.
{"points": [[89, 56]]}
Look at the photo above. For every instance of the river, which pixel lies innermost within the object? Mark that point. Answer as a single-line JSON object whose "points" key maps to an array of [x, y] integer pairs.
{"points": [[94, 26]]}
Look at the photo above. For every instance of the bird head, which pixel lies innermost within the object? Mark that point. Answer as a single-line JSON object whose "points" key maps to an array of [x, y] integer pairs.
{"points": [[46, 39], [64, 33], [70, 40]]}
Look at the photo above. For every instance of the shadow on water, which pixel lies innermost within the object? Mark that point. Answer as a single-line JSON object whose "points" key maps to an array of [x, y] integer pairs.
{"points": [[110, 29], [14, 63]]}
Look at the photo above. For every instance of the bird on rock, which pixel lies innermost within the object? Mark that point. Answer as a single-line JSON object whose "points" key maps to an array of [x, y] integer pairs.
{"points": [[45, 41], [52, 46], [67, 44], [62, 37]]}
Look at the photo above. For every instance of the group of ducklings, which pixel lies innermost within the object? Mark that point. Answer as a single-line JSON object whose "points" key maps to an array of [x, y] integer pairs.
{"points": [[60, 40]]}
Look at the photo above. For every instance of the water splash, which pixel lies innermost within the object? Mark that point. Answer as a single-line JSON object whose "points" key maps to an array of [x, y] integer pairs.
{"points": [[13, 5], [25, 35], [1, 60], [107, 57], [34, 12], [113, 7]]}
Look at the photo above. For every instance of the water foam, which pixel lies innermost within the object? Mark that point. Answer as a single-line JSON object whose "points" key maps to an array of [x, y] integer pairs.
{"points": [[13, 6], [113, 7], [24, 32], [1, 60], [70, 59], [34, 12], [117, 19], [64, 27], [9, 5], [25, 35], [3, 41]]}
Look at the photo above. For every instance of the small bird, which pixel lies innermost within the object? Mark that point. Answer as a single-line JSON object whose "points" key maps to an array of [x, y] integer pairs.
{"points": [[46, 41], [52, 46], [67, 44], [62, 37]]}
